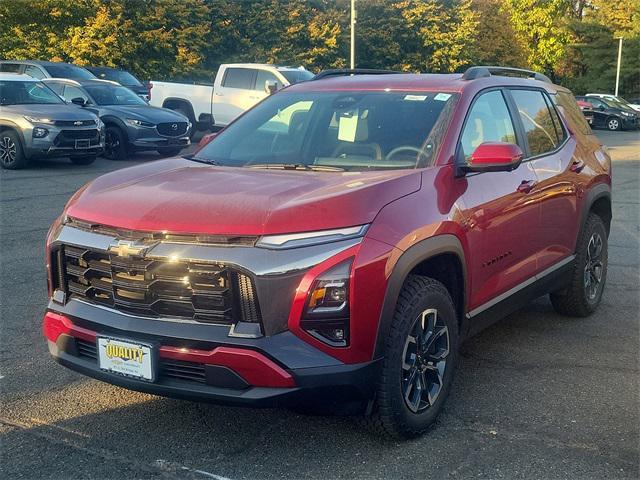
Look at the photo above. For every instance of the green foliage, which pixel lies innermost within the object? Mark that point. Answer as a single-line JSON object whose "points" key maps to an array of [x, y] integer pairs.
{"points": [[572, 40]]}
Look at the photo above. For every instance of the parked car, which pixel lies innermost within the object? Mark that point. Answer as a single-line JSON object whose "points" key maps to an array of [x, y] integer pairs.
{"points": [[587, 110], [124, 78], [41, 69], [633, 105], [610, 114], [36, 123], [131, 123], [237, 87], [335, 244]]}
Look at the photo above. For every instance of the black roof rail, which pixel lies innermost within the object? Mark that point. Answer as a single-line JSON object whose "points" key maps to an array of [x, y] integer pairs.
{"points": [[343, 72], [486, 71]]}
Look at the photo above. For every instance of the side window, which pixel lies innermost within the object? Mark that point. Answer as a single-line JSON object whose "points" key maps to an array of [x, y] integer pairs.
{"points": [[488, 121], [557, 123], [572, 113], [239, 78], [56, 87], [71, 92], [10, 67], [34, 72], [264, 76], [536, 120]]}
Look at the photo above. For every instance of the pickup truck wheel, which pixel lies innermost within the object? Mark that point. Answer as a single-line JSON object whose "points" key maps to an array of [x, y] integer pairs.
{"points": [[419, 362], [583, 295], [115, 144], [86, 160], [169, 151], [11, 154]]}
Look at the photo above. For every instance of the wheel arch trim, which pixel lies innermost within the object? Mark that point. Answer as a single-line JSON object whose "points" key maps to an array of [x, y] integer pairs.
{"points": [[412, 257]]}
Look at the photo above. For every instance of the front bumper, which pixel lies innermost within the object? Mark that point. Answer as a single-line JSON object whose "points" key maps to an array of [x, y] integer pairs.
{"points": [[144, 138], [56, 143], [630, 123], [267, 372]]}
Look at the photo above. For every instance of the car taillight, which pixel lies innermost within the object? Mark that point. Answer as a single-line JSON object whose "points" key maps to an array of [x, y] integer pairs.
{"points": [[326, 312]]}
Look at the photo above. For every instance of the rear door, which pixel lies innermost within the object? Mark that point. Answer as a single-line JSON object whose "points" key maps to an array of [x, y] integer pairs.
{"points": [[235, 94], [558, 166], [501, 216]]}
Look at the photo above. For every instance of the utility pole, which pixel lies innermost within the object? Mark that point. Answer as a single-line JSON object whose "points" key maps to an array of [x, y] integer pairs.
{"points": [[353, 34], [619, 61]]}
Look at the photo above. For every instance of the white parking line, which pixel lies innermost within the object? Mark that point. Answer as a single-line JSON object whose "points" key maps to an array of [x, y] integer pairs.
{"points": [[206, 474]]}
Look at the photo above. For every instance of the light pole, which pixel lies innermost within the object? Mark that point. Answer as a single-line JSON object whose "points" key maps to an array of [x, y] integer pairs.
{"points": [[353, 34], [619, 61]]}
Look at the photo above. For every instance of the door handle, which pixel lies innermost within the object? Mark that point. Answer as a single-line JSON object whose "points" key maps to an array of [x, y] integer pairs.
{"points": [[526, 186], [577, 166]]}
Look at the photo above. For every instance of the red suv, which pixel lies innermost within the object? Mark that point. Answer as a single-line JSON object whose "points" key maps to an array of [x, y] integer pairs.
{"points": [[334, 245]]}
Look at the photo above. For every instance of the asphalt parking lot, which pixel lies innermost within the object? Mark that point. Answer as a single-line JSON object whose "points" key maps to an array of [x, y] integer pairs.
{"points": [[536, 396]]}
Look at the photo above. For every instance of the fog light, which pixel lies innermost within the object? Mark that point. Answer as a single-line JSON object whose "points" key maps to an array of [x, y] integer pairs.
{"points": [[39, 132]]}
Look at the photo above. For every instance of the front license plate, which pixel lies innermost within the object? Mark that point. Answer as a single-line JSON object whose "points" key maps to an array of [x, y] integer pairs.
{"points": [[125, 357], [80, 144]]}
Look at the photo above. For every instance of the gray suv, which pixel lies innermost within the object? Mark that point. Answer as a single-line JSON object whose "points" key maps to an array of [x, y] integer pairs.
{"points": [[36, 123], [131, 123]]}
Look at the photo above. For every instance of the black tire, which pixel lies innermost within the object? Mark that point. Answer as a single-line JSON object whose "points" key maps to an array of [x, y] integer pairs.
{"points": [[86, 160], [115, 144], [186, 111], [169, 151], [614, 123], [12, 155], [583, 295], [393, 413]]}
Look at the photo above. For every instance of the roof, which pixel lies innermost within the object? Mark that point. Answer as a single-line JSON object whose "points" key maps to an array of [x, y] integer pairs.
{"points": [[255, 65], [434, 82], [37, 62], [80, 82], [17, 77]]}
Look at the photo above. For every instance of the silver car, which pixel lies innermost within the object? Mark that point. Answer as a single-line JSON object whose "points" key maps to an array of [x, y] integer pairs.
{"points": [[37, 123]]}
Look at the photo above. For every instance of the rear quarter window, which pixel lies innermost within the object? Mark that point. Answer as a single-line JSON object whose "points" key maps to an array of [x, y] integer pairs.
{"points": [[571, 112]]}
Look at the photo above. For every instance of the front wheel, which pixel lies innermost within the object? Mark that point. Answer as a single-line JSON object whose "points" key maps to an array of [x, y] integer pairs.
{"points": [[583, 295], [614, 123], [419, 362], [115, 144], [12, 156]]}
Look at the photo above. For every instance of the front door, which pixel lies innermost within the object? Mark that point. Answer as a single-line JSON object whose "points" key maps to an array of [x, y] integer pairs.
{"points": [[234, 95]]}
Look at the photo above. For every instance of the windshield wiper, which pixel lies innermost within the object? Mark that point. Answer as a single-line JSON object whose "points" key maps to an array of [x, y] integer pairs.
{"points": [[192, 157], [296, 166]]}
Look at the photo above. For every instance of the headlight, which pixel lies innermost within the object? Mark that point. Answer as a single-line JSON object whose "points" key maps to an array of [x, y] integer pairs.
{"points": [[140, 123], [627, 114], [47, 121], [326, 312], [305, 239], [39, 132]]}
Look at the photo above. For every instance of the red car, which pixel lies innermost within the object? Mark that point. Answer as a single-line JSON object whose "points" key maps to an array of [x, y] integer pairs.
{"points": [[587, 110], [334, 245]]}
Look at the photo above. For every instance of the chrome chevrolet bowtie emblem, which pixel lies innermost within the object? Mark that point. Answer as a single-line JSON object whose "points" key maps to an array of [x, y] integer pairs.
{"points": [[78, 123], [127, 248]]}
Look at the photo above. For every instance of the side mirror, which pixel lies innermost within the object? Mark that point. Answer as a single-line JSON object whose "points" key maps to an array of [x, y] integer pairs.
{"points": [[494, 157], [601, 108], [271, 87], [78, 101]]}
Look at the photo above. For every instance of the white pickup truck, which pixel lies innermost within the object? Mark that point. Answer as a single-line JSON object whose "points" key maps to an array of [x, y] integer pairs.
{"points": [[237, 88]]}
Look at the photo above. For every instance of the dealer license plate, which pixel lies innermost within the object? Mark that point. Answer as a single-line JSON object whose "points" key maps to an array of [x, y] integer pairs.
{"points": [[125, 357], [82, 144]]}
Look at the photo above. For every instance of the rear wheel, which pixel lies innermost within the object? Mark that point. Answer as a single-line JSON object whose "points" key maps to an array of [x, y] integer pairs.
{"points": [[419, 362], [614, 123], [11, 153], [583, 295], [169, 151], [189, 114], [86, 160], [115, 144]]}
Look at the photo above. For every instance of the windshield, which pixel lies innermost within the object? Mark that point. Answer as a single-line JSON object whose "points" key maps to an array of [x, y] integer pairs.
{"points": [[123, 78], [113, 95], [26, 93], [296, 76], [69, 71], [335, 131], [615, 104]]}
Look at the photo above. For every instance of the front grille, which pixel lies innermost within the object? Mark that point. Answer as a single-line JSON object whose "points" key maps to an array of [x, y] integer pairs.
{"points": [[74, 123], [204, 292], [67, 138], [168, 130]]}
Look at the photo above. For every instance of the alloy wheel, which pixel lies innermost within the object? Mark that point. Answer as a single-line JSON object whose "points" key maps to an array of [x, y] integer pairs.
{"points": [[424, 361], [8, 150], [111, 145], [594, 268], [613, 124]]}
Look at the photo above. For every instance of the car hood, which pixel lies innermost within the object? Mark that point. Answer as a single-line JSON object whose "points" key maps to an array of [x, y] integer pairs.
{"points": [[182, 196], [146, 113], [53, 112]]}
